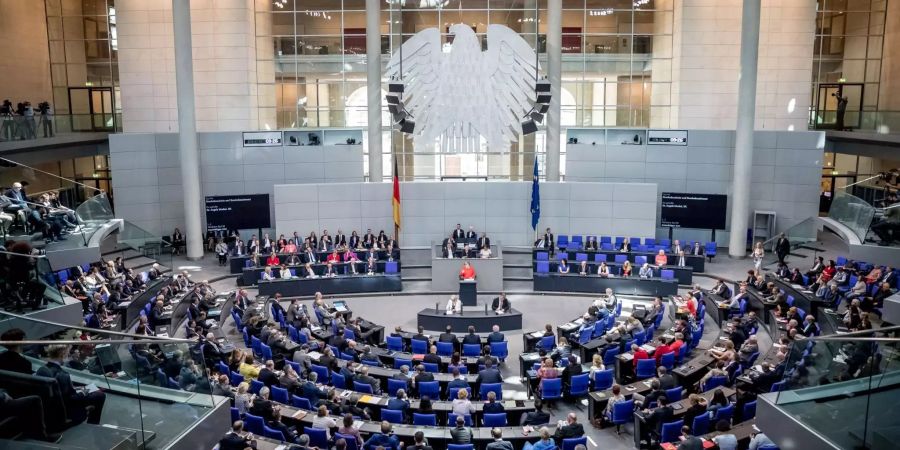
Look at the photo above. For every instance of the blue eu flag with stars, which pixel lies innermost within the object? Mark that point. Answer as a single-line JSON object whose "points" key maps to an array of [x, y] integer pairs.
{"points": [[535, 197]]}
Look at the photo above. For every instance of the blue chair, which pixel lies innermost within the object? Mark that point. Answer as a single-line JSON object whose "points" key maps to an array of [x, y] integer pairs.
{"points": [[551, 389], [280, 395], [606, 246], [620, 259], [580, 385], [400, 362], [272, 433], [547, 343], [255, 386], [266, 352], [682, 352], [430, 388], [725, 413], [619, 240], [581, 257], [671, 431], [235, 415], [674, 394], [700, 425], [453, 393], [600, 257], [254, 424], [348, 356], [603, 379], [562, 241], [543, 256], [350, 440], [471, 350], [425, 420], [445, 348], [432, 367], [394, 385], [640, 260], [451, 420], [646, 368], [419, 347], [714, 382], [394, 343], [749, 411], [667, 274], [301, 402], [496, 388], [494, 420], [710, 250], [576, 242], [317, 437], [640, 337], [362, 387], [321, 372], [543, 267], [392, 415], [391, 267], [571, 443], [621, 414], [236, 378], [668, 360], [609, 357], [460, 446], [500, 350], [338, 380], [255, 345]]}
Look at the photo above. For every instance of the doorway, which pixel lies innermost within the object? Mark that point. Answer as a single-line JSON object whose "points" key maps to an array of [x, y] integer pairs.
{"points": [[91, 108]]}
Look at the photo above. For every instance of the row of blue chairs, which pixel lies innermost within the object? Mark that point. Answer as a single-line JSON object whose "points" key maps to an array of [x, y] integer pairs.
{"points": [[390, 267], [498, 349], [623, 413]]}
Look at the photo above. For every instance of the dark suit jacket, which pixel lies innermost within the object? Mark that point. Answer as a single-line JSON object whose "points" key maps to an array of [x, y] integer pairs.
{"points": [[471, 339], [458, 235], [484, 242], [493, 408], [569, 431], [495, 304], [431, 358], [592, 245], [626, 246], [491, 375], [496, 336], [268, 377], [659, 416], [232, 441], [448, 337]]}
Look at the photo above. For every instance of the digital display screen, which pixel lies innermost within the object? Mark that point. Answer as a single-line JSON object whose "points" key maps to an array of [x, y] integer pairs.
{"points": [[703, 211], [237, 212]]}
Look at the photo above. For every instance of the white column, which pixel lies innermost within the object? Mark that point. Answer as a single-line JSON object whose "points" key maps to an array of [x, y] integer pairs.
{"points": [[554, 74], [373, 87], [743, 140], [187, 128]]}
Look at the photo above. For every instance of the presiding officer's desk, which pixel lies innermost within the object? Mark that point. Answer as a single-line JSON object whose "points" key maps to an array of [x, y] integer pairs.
{"points": [[488, 271], [684, 275], [559, 282], [696, 262], [341, 284]]}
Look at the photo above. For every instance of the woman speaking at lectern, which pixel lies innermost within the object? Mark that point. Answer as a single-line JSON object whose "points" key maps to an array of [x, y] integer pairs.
{"points": [[467, 272]]}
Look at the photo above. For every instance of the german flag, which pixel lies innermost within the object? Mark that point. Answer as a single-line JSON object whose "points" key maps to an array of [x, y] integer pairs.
{"points": [[396, 200]]}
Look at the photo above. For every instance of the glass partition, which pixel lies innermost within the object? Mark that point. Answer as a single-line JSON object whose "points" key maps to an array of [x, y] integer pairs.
{"points": [[155, 389], [94, 213], [853, 212], [29, 282], [839, 386]]}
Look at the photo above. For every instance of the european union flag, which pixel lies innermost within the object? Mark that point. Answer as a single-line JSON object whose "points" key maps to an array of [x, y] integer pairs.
{"points": [[535, 197]]}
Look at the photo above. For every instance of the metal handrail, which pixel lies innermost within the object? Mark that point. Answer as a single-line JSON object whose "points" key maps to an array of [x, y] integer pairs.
{"points": [[99, 342], [853, 334], [91, 330]]}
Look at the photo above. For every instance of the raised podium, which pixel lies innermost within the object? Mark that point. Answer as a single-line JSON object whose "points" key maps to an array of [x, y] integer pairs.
{"points": [[468, 292]]}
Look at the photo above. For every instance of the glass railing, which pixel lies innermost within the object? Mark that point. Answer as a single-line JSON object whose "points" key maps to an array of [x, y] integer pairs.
{"points": [[145, 243], [155, 389], [852, 212], [94, 213], [841, 387], [882, 122], [798, 235], [61, 124], [28, 281]]}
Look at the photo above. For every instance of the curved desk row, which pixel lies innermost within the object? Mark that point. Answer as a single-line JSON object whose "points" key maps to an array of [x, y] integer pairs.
{"points": [[684, 275], [342, 284], [696, 262], [557, 282], [237, 263], [253, 275], [482, 320]]}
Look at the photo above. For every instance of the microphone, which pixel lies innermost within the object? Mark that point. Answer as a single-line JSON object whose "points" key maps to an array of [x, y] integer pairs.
{"points": [[485, 309], [436, 307]]}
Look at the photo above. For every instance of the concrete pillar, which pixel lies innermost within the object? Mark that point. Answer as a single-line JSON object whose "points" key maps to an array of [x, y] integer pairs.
{"points": [[743, 140], [373, 88], [554, 74], [187, 128]]}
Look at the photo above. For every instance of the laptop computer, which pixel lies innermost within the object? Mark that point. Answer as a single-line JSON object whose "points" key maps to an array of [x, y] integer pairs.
{"points": [[340, 306]]}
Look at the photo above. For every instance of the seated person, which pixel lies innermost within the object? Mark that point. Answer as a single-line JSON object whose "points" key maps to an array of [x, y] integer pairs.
{"points": [[80, 404], [563, 266]]}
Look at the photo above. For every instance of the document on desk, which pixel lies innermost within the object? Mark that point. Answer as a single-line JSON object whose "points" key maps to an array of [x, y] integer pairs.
{"points": [[315, 355], [299, 414]]}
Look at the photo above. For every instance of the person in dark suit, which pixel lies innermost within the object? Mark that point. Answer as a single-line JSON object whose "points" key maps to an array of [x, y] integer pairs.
{"points": [[471, 235], [80, 405], [422, 376], [489, 374], [12, 359], [496, 335], [368, 239], [782, 247], [311, 391], [572, 369], [662, 414], [491, 406], [236, 439], [546, 241], [483, 242], [568, 429], [399, 402], [432, 356], [471, 337], [458, 234], [689, 442], [363, 377], [626, 246], [501, 304], [536, 417], [420, 335], [267, 374], [262, 406], [448, 336]]}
